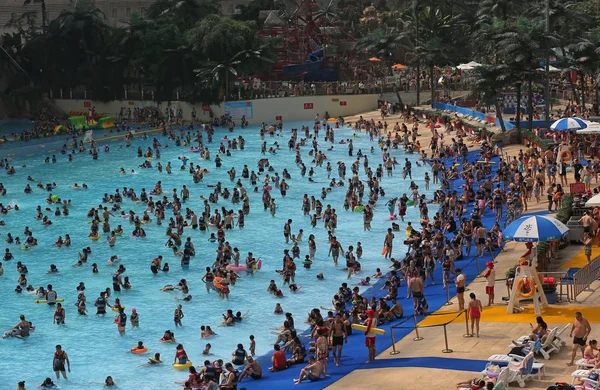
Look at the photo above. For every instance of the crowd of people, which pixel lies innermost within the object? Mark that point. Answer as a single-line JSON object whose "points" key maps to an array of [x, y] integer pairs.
{"points": [[439, 238]]}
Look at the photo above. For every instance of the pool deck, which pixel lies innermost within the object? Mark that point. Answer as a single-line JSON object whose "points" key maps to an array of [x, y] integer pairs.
{"points": [[496, 331]]}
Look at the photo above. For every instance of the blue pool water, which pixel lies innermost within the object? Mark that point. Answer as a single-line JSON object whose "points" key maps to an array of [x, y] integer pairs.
{"points": [[93, 344]]}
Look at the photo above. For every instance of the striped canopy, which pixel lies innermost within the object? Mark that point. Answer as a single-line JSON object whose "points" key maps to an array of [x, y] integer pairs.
{"points": [[568, 124], [535, 228]]}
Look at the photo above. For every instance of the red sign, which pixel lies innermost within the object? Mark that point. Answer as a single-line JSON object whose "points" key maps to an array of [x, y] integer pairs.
{"points": [[577, 188], [206, 107], [342, 103], [87, 104], [278, 118], [308, 106], [490, 119]]}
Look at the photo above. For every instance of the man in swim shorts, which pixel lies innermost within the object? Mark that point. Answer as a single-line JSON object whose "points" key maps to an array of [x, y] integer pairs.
{"points": [[338, 336], [313, 371], [460, 288], [252, 369], [580, 330], [416, 287]]}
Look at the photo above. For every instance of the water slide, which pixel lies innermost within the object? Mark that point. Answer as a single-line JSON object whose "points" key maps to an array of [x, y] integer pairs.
{"points": [[312, 62]]}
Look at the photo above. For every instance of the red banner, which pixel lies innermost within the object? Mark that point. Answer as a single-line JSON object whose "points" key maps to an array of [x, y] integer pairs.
{"points": [[278, 118], [308, 106], [206, 107], [87, 104], [577, 188], [342, 103]]}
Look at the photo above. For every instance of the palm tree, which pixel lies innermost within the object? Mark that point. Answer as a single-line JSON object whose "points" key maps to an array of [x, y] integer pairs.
{"points": [[220, 72], [435, 41], [522, 48], [491, 80], [44, 37]]}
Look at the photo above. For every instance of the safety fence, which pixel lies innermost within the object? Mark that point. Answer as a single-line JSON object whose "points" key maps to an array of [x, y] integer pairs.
{"points": [[563, 282], [416, 328], [583, 278]]}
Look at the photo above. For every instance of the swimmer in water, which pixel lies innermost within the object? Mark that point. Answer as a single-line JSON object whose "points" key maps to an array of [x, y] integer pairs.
{"points": [[206, 351], [278, 309]]}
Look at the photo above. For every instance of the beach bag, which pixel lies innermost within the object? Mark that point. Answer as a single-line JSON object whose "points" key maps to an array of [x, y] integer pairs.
{"points": [[561, 386]]}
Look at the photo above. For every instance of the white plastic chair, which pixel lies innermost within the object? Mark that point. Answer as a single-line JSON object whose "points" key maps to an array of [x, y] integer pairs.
{"points": [[521, 371]]}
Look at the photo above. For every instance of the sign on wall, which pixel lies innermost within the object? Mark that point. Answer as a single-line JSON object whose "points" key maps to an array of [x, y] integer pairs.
{"points": [[239, 109], [343, 103], [87, 104], [206, 107], [308, 106]]}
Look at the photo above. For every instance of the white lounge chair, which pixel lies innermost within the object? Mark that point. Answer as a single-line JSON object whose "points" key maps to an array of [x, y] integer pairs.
{"points": [[581, 374], [521, 371], [559, 338], [539, 369], [548, 346], [583, 364], [501, 380], [589, 384]]}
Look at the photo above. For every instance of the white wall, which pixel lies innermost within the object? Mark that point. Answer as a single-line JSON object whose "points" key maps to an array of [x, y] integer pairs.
{"points": [[264, 110]]}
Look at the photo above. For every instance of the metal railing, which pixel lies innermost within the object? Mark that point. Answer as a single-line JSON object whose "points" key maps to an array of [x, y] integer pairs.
{"points": [[416, 327], [268, 89], [585, 276], [564, 284]]}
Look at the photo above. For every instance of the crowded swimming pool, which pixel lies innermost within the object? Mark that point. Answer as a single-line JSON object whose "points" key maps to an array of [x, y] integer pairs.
{"points": [[93, 343]]}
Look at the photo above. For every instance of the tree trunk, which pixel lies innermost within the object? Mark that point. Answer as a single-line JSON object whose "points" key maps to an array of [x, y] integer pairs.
{"points": [[499, 115], [418, 84], [432, 81], [582, 83], [45, 74], [597, 91], [518, 113], [398, 96], [530, 104], [570, 79]]}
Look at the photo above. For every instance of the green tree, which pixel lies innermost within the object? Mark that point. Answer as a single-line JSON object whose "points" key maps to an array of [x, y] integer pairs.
{"points": [[490, 81]]}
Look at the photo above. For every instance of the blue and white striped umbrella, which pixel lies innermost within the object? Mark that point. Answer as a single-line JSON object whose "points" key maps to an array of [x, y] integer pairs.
{"points": [[535, 228], [568, 124]]}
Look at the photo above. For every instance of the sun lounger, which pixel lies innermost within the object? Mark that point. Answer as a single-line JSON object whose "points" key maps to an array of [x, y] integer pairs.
{"points": [[504, 360], [581, 374]]}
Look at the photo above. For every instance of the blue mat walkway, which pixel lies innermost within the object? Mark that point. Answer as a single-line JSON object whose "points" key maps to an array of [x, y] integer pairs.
{"points": [[355, 354]]}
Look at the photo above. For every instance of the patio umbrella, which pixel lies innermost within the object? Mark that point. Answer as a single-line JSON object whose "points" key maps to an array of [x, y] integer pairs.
{"points": [[534, 229], [593, 128], [398, 66], [568, 124]]}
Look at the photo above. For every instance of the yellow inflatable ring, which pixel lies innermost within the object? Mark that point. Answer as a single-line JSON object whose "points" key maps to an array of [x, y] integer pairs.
{"points": [[95, 238], [565, 156], [183, 366], [136, 350], [152, 359], [530, 286], [116, 309]]}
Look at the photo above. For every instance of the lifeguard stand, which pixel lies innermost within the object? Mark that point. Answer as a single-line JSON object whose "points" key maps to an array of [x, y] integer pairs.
{"points": [[526, 273]]}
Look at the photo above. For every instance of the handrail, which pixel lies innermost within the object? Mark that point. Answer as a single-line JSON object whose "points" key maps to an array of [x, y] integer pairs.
{"points": [[585, 276], [416, 327], [564, 287]]}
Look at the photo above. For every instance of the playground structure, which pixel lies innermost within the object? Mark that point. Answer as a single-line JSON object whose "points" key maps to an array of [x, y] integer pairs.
{"points": [[311, 43], [527, 285], [80, 122]]}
